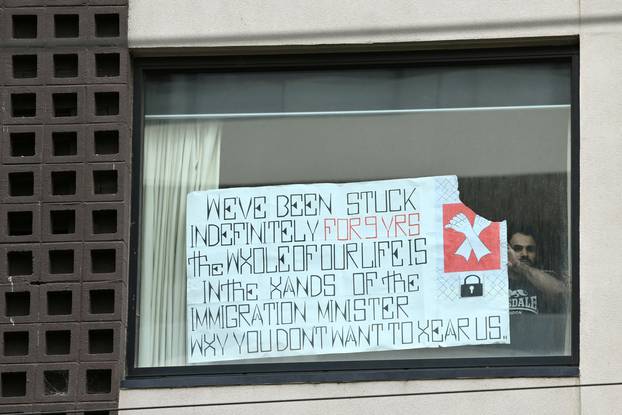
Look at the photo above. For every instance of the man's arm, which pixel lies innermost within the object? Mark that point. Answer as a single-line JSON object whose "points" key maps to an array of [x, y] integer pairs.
{"points": [[542, 280]]}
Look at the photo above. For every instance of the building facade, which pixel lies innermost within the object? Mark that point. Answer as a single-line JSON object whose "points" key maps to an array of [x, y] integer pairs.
{"points": [[76, 330]]}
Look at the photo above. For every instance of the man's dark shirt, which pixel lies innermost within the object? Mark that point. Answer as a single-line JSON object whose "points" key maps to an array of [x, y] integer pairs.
{"points": [[537, 320]]}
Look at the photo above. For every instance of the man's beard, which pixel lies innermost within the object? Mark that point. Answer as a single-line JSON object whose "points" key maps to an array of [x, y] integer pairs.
{"points": [[527, 261]]}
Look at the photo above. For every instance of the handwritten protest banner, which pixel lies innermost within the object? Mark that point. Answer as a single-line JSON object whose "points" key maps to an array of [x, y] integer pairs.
{"points": [[341, 268]]}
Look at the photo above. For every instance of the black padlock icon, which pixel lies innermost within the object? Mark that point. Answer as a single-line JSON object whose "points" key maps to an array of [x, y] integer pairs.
{"points": [[472, 289]]}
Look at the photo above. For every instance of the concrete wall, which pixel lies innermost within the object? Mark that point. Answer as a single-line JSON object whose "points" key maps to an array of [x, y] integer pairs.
{"points": [[64, 101], [155, 25]]}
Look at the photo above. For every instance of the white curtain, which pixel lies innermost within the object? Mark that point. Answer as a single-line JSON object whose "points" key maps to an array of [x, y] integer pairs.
{"points": [[178, 157]]}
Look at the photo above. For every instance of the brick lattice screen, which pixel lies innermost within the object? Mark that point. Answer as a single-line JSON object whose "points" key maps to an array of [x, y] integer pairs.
{"points": [[64, 203]]}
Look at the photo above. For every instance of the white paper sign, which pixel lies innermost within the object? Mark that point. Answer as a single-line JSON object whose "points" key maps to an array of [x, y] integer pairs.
{"points": [[341, 268]]}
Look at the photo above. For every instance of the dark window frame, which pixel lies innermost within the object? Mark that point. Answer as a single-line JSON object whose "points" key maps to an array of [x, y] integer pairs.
{"points": [[349, 371]]}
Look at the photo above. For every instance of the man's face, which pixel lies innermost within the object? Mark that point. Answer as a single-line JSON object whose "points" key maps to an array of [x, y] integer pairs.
{"points": [[525, 247]]}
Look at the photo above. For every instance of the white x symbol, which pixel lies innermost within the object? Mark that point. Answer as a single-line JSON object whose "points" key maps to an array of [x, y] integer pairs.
{"points": [[460, 223]]}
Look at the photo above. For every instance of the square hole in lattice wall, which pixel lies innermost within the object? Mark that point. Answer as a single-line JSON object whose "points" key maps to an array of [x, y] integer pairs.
{"points": [[62, 221], [101, 341], [17, 303], [56, 382], [64, 143], [103, 261], [66, 65], [98, 381], [104, 221], [24, 26], [24, 66], [57, 342], [23, 105], [101, 301], [21, 183], [64, 182], [61, 261], [19, 263], [107, 25], [66, 25], [107, 64], [104, 182], [65, 104], [106, 103], [59, 303], [22, 144], [15, 343], [20, 223], [13, 384], [106, 142]]}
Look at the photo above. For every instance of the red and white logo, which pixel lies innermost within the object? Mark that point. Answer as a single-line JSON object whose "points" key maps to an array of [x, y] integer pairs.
{"points": [[470, 242]]}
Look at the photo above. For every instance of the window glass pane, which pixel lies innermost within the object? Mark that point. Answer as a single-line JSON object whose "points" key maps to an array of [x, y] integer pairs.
{"points": [[504, 130], [348, 90]]}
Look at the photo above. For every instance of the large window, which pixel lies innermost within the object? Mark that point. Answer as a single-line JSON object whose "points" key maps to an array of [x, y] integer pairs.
{"points": [[504, 126]]}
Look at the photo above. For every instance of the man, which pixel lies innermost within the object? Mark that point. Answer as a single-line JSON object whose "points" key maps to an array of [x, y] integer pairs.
{"points": [[538, 314], [532, 290]]}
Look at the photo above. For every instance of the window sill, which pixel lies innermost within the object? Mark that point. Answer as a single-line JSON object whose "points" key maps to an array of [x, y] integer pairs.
{"points": [[186, 381]]}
